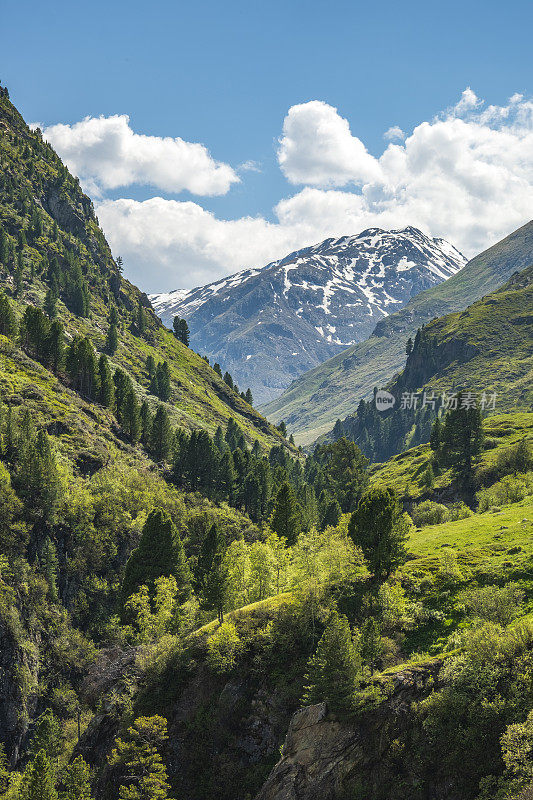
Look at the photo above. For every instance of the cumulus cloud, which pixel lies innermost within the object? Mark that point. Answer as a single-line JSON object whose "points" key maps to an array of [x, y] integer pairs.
{"points": [[466, 175], [105, 153], [317, 148], [394, 133]]}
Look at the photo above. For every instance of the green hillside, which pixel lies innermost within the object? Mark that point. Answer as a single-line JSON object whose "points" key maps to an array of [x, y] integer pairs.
{"points": [[332, 390], [51, 236], [486, 350]]}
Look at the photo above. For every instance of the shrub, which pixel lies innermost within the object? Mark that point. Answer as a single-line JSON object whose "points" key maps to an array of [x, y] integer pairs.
{"points": [[511, 489], [223, 647], [494, 603], [429, 513], [459, 511]]}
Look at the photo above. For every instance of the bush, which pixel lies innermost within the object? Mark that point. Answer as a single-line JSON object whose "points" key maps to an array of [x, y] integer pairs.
{"points": [[459, 511], [494, 603], [511, 489], [429, 513], [223, 647]]}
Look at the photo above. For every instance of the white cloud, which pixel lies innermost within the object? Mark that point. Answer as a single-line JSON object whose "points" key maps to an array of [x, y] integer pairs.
{"points": [[105, 153], [317, 148], [250, 166], [394, 133], [466, 175]]}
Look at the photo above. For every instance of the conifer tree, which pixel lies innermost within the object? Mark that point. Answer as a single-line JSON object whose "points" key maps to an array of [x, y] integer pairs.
{"points": [[76, 781], [141, 319], [50, 304], [334, 670], [379, 527], [107, 386], [146, 423], [228, 380], [214, 577], [226, 475], [332, 514], [111, 342], [131, 419], [38, 780], [161, 434], [47, 736], [55, 346], [249, 397], [48, 562], [461, 440], [161, 382], [217, 368], [286, 517], [140, 762], [8, 322], [160, 553], [150, 365], [82, 366]]}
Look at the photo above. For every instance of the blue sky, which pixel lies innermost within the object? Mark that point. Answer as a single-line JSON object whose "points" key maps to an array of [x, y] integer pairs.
{"points": [[226, 75]]}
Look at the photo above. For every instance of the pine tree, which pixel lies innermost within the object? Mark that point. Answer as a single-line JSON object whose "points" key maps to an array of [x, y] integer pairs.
{"points": [[131, 419], [8, 322], [111, 342], [55, 346], [140, 762], [47, 736], [334, 670], [50, 304], [146, 423], [249, 397], [226, 475], [461, 441], [43, 484], [161, 434], [19, 275], [107, 388], [215, 582], [379, 527], [228, 380], [160, 553], [76, 781], [160, 384], [217, 368], [286, 517], [38, 780], [181, 330], [332, 514], [82, 366], [150, 365], [48, 563]]}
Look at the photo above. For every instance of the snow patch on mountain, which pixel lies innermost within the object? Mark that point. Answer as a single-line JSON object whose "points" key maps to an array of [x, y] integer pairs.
{"points": [[312, 303]]}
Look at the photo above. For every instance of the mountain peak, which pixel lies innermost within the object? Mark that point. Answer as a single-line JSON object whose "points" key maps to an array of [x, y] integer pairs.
{"points": [[269, 325]]}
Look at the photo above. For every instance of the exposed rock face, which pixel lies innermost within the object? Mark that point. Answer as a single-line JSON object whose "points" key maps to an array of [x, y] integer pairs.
{"points": [[329, 758], [19, 668], [267, 326]]}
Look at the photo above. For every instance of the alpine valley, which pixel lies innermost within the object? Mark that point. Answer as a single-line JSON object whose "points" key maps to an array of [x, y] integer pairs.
{"points": [[267, 326], [191, 607]]}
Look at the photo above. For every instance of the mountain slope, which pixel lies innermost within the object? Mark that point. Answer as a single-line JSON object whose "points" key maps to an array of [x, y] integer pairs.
{"points": [[332, 390], [485, 350], [51, 237], [267, 326]]}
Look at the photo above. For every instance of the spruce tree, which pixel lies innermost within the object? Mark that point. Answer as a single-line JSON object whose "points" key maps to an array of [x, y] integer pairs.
{"points": [[76, 781], [371, 645], [107, 386], [334, 670], [160, 553], [38, 780], [146, 423], [8, 322], [131, 419], [50, 304], [211, 573], [286, 517], [55, 346], [162, 381], [461, 441], [379, 527], [332, 514], [137, 756], [161, 434]]}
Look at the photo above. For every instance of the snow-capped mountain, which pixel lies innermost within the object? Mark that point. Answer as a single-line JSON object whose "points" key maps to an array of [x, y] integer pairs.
{"points": [[267, 326]]}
